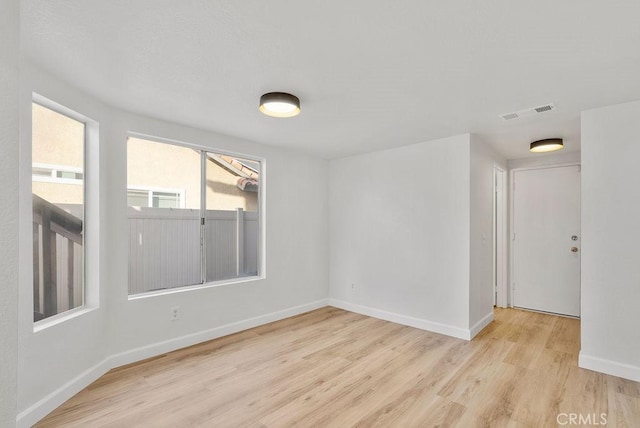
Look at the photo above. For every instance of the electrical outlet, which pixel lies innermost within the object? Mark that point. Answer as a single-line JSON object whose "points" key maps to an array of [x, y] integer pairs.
{"points": [[175, 313]]}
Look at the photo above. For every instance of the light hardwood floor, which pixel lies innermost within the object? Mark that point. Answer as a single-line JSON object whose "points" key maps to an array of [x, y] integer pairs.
{"points": [[335, 368]]}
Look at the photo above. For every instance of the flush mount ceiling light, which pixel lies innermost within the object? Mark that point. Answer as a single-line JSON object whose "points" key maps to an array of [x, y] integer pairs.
{"points": [[279, 104], [547, 145]]}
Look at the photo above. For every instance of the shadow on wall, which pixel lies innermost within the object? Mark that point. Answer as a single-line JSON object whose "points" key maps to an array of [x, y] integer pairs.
{"points": [[224, 188]]}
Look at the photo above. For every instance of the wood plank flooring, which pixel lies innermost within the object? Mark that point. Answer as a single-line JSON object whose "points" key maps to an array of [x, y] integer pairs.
{"points": [[332, 368]]}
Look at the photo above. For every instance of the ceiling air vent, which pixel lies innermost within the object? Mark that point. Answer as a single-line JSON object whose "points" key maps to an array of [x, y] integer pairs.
{"points": [[527, 112], [544, 108], [510, 116]]}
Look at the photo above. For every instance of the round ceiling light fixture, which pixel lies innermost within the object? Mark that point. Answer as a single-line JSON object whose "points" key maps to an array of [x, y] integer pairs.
{"points": [[279, 104], [547, 145]]}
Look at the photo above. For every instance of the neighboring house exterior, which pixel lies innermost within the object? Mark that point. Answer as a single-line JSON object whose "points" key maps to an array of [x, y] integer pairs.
{"points": [[173, 174], [158, 175], [57, 157]]}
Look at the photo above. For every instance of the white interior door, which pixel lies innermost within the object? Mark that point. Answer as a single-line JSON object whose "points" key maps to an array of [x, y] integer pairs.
{"points": [[546, 240]]}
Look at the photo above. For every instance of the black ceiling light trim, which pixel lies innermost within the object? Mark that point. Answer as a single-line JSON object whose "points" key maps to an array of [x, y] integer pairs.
{"points": [[279, 104], [546, 145]]}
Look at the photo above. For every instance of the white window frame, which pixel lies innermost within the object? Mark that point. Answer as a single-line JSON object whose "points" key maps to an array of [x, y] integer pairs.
{"points": [[262, 264], [91, 213]]}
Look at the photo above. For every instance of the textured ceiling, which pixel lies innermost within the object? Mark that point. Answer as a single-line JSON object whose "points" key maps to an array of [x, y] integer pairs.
{"points": [[370, 74]]}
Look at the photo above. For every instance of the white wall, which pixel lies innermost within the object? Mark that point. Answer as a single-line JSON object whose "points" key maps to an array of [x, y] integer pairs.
{"points": [[399, 222], [61, 359], [610, 236], [412, 234], [9, 135], [54, 357], [482, 159], [544, 159], [296, 244]]}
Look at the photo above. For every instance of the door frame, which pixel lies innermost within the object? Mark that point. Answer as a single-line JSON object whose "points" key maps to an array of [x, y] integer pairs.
{"points": [[512, 187], [500, 236]]}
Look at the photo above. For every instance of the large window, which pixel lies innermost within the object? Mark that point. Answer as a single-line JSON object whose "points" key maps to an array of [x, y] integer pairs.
{"points": [[58, 187], [193, 216]]}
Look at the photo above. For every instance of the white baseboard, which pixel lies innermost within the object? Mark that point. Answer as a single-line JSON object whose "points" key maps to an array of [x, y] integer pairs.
{"points": [[159, 348], [43, 407], [609, 367], [477, 328], [420, 323]]}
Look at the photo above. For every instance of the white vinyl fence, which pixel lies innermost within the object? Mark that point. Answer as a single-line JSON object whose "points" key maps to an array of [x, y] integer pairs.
{"points": [[164, 247]]}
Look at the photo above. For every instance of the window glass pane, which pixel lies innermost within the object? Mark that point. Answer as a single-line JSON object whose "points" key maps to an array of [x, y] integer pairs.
{"points": [[58, 213], [232, 215], [166, 200], [137, 198], [69, 175], [164, 239]]}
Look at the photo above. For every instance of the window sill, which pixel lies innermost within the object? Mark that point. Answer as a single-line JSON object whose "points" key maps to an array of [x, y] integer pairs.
{"points": [[195, 287], [61, 318]]}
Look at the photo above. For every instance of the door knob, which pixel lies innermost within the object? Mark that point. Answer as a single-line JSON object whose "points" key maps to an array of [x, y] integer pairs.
{"points": [[574, 249]]}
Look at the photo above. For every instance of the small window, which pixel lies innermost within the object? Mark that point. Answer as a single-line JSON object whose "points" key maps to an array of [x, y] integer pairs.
{"points": [[57, 173], [194, 216], [155, 198], [165, 200], [58, 147]]}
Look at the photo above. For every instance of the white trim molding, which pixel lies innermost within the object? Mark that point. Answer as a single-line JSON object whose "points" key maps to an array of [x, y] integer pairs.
{"points": [[420, 323], [501, 236], [159, 348], [39, 410], [46, 405], [613, 368], [477, 328]]}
